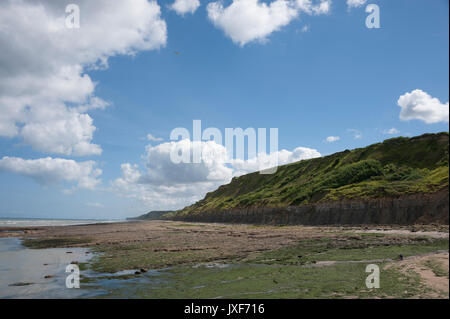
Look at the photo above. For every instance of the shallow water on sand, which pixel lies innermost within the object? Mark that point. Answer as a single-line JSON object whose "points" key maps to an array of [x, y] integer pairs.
{"points": [[23, 271], [26, 269]]}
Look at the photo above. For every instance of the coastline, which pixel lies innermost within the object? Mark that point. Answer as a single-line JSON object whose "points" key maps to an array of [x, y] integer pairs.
{"points": [[27, 273], [169, 259]]}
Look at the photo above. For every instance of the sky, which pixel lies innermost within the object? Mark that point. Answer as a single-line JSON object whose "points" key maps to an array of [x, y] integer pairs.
{"points": [[86, 111]]}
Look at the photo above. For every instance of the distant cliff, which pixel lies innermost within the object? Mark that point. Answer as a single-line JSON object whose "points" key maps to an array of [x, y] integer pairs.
{"points": [[153, 215], [400, 181]]}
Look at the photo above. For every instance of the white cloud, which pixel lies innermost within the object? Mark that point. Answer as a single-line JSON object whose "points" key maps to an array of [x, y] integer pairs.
{"points": [[166, 185], [355, 3], [45, 93], [161, 170], [49, 171], [248, 20], [419, 105], [356, 133], [245, 21], [324, 7], [185, 6], [159, 196], [332, 139], [152, 138], [263, 161], [316, 8], [304, 29], [64, 131], [391, 131]]}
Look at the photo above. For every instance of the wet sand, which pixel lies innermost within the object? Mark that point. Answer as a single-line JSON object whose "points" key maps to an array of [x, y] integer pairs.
{"points": [[23, 271], [228, 238], [126, 248]]}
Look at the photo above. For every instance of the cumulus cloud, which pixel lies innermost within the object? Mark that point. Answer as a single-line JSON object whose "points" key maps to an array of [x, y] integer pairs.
{"points": [[314, 8], [332, 139], [45, 93], [263, 160], [49, 171], [245, 21], [391, 131], [162, 170], [355, 3], [185, 6], [159, 196], [164, 184], [419, 105]]}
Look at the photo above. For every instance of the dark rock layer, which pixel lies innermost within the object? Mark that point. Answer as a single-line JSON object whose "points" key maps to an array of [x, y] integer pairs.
{"points": [[404, 210]]}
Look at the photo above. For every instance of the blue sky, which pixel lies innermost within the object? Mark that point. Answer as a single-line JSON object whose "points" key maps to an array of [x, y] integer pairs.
{"points": [[318, 76]]}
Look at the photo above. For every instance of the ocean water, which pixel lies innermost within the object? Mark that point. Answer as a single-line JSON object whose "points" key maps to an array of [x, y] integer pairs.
{"points": [[23, 271], [23, 222], [23, 274]]}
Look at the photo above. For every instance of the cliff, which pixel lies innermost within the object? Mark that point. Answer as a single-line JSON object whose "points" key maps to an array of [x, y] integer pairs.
{"points": [[400, 181]]}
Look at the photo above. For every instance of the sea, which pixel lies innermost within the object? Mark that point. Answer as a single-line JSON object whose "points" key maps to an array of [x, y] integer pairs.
{"points": [[36, 274], [34, 222], [40, 273]]}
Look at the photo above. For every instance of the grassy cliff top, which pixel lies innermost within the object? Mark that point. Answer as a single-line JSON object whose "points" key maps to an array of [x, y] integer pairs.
{"points": [[392, 168]]}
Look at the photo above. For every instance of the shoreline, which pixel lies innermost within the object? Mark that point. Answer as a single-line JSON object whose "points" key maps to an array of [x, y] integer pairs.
{"points": [[26, 273], [171, 259]]}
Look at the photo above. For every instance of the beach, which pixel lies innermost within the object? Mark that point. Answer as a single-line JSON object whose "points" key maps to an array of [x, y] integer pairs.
{"points": [[29, 273], [166, 259], [19, 223]]}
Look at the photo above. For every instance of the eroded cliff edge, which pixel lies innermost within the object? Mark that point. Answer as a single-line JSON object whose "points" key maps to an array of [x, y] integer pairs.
{"points": [[404, 210], [399, 181]]}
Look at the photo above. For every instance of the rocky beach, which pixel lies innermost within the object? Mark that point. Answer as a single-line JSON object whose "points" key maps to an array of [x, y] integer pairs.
{"points": [[170, 259]]}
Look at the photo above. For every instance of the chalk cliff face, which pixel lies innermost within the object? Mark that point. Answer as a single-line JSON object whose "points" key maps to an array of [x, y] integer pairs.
{"points": [[404, 210], [400, 181]]}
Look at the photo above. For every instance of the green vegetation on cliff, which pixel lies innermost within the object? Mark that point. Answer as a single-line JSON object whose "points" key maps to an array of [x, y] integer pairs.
{"points": [[395, 167], [153, 215]]}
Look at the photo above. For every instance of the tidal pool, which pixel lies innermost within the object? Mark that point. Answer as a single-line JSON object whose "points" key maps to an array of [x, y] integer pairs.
{"points": [[23, 271]]}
